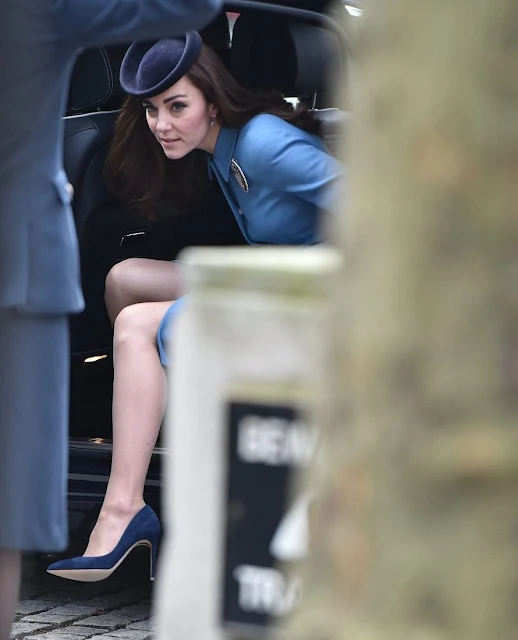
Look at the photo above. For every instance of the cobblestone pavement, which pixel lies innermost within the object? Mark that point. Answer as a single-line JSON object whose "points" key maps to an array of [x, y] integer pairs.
{"points": [[55, 609]]}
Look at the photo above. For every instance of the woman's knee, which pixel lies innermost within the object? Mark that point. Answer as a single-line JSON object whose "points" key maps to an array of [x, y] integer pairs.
{"points": [[141, 280], [121, 277], [139, 323], [135, 323], [121, 286]]}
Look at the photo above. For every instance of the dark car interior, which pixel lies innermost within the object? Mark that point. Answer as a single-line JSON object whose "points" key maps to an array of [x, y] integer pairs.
{"points": [[286, 48]]}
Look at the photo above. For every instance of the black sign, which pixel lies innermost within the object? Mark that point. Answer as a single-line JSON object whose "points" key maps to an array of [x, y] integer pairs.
{"points": [[264, 525]]}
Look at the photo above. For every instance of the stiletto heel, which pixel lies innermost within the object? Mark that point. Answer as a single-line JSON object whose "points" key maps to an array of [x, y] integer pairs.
{"points": [[144, 529], [153, 551]]}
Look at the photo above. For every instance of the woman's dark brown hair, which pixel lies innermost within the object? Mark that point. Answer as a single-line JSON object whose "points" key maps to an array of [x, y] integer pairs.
{"points": [[137, 170]]}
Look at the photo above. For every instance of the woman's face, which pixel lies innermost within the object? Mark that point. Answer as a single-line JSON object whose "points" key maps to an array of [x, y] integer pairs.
{"points": [[180, 119]]}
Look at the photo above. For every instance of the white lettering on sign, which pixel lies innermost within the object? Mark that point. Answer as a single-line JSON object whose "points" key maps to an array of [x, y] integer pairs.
{"points": [[291, 539], [275, 441], [263, 590]]}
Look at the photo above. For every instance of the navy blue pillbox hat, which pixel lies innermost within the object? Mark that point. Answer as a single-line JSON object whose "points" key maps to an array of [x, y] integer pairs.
{"points": [[149, 68]]}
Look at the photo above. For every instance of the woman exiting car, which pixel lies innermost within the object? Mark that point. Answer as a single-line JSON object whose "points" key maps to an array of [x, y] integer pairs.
{"points": [[187, 122]]}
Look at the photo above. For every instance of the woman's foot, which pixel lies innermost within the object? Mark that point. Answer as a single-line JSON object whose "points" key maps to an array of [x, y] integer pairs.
{"points": [[109, 528], [143, 530]]}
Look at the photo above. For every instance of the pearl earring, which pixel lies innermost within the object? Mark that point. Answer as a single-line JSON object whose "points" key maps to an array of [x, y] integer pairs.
{"points": [[213, 121]]}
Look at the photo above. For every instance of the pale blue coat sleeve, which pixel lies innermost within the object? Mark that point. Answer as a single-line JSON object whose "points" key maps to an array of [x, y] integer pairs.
{"points": [[84, 23], [277, 154]]}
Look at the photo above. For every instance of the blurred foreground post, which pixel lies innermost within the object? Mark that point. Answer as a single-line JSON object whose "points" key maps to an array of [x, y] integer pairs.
{"points": [[248, 359], [416, 523]]}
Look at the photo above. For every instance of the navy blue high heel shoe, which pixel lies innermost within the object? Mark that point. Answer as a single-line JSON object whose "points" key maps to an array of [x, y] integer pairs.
{"points": [[144, 529]]}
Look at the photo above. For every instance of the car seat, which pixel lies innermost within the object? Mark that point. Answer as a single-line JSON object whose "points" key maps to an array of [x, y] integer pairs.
{"points": [[297, 58]]}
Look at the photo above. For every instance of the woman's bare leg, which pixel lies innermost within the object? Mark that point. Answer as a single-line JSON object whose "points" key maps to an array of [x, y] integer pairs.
{"points": [[139, 400], [141, 280], [10, 575]]}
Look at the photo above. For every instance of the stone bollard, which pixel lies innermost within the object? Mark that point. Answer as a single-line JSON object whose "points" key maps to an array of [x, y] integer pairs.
{"points": [[248, 362]]}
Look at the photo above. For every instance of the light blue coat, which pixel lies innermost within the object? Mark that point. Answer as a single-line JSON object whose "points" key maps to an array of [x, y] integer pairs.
{"points": [[290, 176], [39, 41]]}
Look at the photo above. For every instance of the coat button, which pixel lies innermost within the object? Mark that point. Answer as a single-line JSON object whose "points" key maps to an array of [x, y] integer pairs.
{"points": [[70, 190], [241, 211]]}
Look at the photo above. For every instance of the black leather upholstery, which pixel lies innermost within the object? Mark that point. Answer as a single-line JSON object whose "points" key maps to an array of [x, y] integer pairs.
{"points": [[295, 58], [95, 80], [272, 52], [86, 143]]}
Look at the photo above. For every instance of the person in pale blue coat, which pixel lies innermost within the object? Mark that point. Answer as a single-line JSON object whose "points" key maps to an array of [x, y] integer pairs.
{"points": [[276, 175], [39, 265]]}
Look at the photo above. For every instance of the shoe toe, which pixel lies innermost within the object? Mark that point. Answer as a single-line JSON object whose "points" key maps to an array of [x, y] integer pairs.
{"points": [[65, 565]]}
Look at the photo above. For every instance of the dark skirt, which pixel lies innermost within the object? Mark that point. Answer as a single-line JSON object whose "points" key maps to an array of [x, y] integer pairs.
{"points": [[34, 388]]}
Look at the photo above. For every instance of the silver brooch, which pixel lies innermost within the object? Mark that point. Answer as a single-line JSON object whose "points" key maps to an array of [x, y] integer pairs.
{"points": [[239, 175]]}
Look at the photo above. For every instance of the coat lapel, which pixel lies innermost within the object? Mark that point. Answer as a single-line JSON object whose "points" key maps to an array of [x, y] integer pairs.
{"points": [[220, 166]]}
